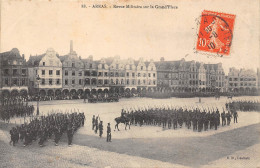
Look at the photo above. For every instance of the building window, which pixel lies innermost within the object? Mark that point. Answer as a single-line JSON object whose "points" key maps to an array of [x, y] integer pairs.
{"points": [[100, 74], [23, 82], [111, 81], [43, 63], [66, 81], [73, 81], [90, 65], [100, 82], [94, 73], [154, 82], [73, 65], [73, 73], [6, 72], [50, 81], [106, 74], [43, 72], [127, 74], [6, 81], [43, 81], [80, 73], [149, 75], [142, 67], [139, 82], [15, 82], [127, 81], [133, 74], [80, 82], [23, 72], [106, 82], [15, 72], [139, 74], [66, 72], [57, 81], [117, 81], [86, 73], [117, 74], [58, 72], [144, 82], [50, 72]]}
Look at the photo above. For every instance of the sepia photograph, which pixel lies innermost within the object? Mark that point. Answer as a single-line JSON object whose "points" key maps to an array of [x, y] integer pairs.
{"points": [[129, 84]]}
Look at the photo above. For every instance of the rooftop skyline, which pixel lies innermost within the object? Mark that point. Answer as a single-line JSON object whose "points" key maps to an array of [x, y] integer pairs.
{"points": [[33, 27]]}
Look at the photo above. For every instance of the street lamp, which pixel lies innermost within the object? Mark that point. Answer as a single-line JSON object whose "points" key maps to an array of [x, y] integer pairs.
{"points": [[38, 82], [84, 94]]}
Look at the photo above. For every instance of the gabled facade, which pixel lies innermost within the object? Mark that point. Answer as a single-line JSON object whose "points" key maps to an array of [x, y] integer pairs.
{"points": [[49, 68], [13, 74]]}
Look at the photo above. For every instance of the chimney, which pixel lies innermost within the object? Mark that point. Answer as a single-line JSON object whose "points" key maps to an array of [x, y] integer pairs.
{"points": [[162, 59], [71, 46]]}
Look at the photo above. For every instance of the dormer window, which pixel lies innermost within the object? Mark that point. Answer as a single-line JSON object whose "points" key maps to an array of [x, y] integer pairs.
{"points": [[43, 63]]}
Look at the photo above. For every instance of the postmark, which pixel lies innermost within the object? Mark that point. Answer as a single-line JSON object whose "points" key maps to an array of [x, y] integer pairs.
{"points": [[215, 33]]}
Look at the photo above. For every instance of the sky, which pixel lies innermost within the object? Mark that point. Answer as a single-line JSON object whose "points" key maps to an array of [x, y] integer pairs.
{"points": [[33, 27]]}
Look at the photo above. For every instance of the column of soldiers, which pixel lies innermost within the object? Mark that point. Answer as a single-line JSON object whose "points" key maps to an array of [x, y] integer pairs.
{"points": [[44, 127], [197, 119], [93, 98], [244, 105], [20, 109]]}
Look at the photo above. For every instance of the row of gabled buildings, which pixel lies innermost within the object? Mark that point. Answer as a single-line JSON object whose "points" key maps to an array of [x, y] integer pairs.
{"points": [[53, 74], [190, 76]]}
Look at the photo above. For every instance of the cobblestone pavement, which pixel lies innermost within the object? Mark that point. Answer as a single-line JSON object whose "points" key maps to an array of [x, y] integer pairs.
{"points": [[147, 146]]}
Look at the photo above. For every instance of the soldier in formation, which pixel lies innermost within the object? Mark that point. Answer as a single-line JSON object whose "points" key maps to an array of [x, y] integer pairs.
{"points": [[21, 109], [244, 105], [42, 128], [169, 117]]}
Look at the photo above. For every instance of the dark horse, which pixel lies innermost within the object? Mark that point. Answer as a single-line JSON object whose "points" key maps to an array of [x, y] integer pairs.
{"points": [[122, 119]]}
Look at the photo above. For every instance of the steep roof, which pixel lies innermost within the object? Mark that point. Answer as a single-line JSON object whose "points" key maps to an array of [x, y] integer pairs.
{"points": [[12, 54], [35, 60]]}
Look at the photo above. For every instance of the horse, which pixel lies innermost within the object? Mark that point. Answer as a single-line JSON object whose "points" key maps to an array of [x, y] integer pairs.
{"points": [[122, 119]]}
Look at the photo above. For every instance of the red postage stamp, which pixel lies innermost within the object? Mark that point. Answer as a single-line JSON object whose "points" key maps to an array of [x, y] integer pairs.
{"points": [[215, 33]]}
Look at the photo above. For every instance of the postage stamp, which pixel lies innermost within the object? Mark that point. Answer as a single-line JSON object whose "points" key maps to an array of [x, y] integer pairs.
{"points": [[215, 33]]}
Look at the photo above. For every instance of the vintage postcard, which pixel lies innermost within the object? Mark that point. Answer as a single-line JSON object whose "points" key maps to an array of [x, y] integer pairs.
{"points": [[129, 84]]}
